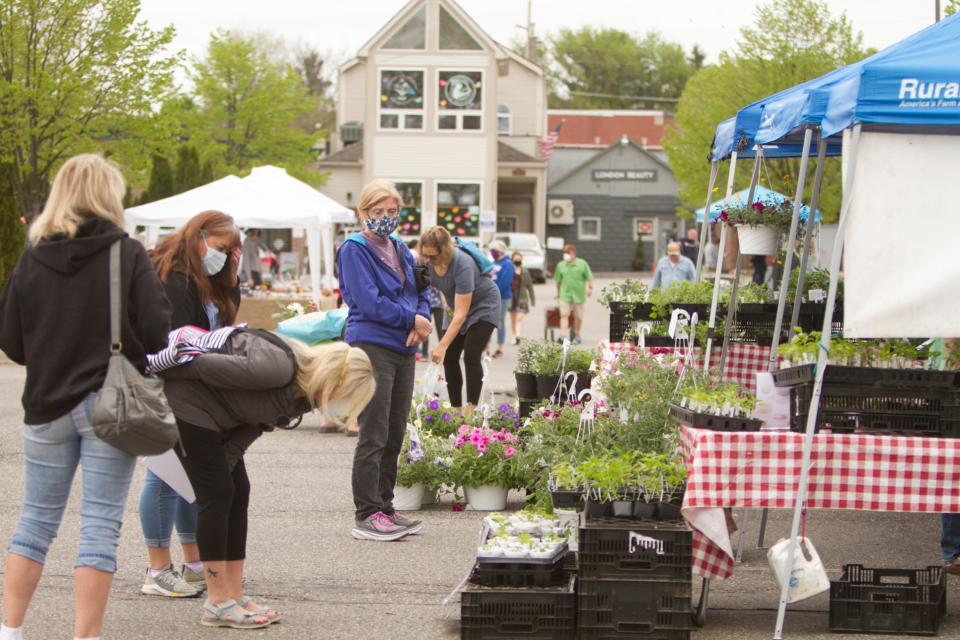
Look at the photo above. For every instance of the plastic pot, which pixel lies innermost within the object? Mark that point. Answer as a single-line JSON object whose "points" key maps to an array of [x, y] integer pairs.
{"points": [[408, 498], [526, 385]]}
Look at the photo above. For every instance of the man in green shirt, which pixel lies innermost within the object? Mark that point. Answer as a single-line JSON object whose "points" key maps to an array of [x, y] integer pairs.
{"points": [[574, 284]]}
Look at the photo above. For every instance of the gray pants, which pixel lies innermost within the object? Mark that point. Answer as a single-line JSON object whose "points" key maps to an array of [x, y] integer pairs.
{"points": [[382, 427]]}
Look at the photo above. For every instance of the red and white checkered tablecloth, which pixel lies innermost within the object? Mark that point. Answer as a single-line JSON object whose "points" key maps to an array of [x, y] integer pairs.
{"points": [[849, 471], [744, 361]]}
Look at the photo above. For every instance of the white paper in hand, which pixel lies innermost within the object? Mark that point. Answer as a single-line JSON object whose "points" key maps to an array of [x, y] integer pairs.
{"points": [[167, 467]]}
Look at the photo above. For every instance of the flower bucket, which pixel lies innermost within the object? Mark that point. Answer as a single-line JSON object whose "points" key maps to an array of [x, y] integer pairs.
{"points": [[757, 241], [408, 498], [487, 498], [546, 385], [526, 386]]}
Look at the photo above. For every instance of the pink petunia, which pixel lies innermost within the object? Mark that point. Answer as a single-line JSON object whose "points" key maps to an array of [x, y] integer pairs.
{"points": [[508, 453], [463, 430], [459, 442], [481, 447]]}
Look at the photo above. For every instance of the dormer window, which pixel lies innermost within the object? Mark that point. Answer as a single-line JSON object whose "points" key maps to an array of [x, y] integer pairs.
{"points": [[453, 36], [412, 35], [504, 120], [460, 101], [401, 99]]}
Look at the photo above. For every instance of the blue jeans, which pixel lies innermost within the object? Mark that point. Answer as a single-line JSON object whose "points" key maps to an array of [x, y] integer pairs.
{"points": [[502, 328], [950, 536], [160, 508], [52, 452]]}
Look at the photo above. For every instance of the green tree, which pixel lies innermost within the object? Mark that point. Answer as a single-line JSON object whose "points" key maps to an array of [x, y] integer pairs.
{"points": [[76, 75], [952, 7], [187, 175], [161, 180], [609, 68], [11, 225], [770, 56], [249, 103]]}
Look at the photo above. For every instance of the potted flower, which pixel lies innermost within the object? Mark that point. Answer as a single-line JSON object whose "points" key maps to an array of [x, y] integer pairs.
{"points": [[547, 369], [759, 225], [420, 472], [524, 372], [438, 417], [578, 362], [485, 464], [504, 417]]}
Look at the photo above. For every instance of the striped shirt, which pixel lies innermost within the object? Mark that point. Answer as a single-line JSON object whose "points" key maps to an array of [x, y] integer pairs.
{"points": [[186, 343]]}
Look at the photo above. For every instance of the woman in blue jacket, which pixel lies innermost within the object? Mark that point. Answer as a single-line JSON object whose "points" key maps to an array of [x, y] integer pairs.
{"points": [[388, 320]]}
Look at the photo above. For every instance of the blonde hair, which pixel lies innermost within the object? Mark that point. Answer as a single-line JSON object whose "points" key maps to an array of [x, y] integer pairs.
{"points": [[377, 191], [335, 372], [437, 238], [86, 186]]}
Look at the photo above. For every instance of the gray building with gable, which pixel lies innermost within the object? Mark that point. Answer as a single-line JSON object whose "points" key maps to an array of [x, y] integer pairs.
{"points": [[604, 200]]}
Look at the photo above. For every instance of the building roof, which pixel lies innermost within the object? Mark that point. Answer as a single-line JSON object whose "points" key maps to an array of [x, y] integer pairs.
{"points": [[602, 127], [506, 153], [594, 157], [350, 154]]}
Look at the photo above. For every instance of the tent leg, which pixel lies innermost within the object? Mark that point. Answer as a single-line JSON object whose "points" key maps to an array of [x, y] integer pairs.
{"points": [[714, 170], [716, 278], [791, 239], [763, 528], [813, 410], [744, 518], [805, 254]]}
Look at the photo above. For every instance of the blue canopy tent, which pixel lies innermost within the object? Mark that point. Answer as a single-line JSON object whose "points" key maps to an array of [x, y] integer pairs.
{"points": [[912, 86], [761, 194]]}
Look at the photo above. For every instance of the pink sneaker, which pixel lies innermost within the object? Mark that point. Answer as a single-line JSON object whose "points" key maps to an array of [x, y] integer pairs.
{"points": [[378, 527], [413, 526]]}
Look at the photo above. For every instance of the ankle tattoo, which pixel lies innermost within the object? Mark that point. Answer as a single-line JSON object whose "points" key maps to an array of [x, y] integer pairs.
{"points": [[212, 573]]}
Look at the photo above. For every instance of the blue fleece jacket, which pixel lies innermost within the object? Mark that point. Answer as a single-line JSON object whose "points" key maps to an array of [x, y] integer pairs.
{"points": [[381, 310], [505, 273]]}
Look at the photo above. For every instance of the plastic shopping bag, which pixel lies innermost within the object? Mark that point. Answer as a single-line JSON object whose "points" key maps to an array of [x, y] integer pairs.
{"points": [[319, 326], [432, 384], [808, 577]]}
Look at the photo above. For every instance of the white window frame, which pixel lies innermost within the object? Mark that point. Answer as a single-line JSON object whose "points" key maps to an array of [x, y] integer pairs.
{"points": [[508, 117], [422, 111], [436, 194], [583, 236], [636, 221], [426, 33], [459, 113], [423, 193]]}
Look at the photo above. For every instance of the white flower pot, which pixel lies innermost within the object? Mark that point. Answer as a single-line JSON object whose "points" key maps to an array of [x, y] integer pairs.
{"points": [[408, 498], [757, 241], [487, 498]]}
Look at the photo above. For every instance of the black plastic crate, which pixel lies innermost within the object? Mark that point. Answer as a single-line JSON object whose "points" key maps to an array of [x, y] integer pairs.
{"points": [[709, 421], [635, 550], [883, 380], [534, 613], [754, 323], [647, 609], [902, 601], [810, 317], [502, 573], [567, 499]]}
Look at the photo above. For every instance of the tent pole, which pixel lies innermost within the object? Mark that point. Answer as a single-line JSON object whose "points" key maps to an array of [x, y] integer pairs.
{"points": [[813, 411], [719, 272], [791, 240], [732, 307], [805, 254], [714, 170]]}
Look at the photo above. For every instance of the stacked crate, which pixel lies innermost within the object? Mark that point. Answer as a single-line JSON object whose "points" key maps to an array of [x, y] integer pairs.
{"points": [[635, 580]]}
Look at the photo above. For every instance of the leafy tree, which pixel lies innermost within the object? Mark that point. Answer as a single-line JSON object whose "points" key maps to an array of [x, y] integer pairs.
{"points": [[609, 68], [696, 57], [161, 181], [187, 175], [790, 42], [323, 116], [249, 102], [11, 226], [952, 7], [76, 75]]}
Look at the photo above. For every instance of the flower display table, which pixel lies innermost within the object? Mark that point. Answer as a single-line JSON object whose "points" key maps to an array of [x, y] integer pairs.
{"points": [[849, 471]]}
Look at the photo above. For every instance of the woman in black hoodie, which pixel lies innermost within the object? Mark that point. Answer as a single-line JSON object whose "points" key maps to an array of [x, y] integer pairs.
{"points": [[54, 318]]}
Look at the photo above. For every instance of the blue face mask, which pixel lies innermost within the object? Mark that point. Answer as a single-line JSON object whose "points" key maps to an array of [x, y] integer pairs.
{"points": [[382, 226], [213, 261]]}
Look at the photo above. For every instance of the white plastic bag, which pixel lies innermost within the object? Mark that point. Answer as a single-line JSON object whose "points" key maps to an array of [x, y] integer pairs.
{"points": [[432, 385], [808, 577]]}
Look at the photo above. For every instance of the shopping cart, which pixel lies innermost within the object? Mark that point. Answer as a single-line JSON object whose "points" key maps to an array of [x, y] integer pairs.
{"points": [[553, 323]]}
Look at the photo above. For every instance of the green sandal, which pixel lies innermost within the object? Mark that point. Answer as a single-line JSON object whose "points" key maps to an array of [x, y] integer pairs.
{"points": [[261, 610], [232, 615]]}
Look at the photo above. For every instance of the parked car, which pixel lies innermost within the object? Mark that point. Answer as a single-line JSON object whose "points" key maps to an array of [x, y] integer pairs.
{"points": [[528, 245]]}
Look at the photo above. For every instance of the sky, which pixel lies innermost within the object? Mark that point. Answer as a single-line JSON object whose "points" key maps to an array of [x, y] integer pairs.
{"points": [[339, 28]]}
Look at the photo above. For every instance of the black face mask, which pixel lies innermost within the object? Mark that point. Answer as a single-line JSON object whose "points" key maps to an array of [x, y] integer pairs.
{"points": [[517, 264]]}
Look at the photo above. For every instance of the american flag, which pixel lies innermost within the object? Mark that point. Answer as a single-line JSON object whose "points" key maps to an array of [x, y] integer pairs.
{"points": [[547, 144]]}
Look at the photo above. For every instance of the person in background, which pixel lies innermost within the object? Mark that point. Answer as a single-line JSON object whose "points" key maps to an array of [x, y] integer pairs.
{"points": [[673, 268], [759, 269], [574, 284], [712, 251], [198, 267], [55, 320], [523, 296], [504, 278], [251, 258], [689, 246], [475, 303], [388, 319]]}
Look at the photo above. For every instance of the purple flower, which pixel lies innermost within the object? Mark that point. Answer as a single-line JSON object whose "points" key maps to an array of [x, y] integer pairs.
{"points": [[503, 408], [457, 507], [516, 423], [445, 417], [434, 405], [428, 418]]}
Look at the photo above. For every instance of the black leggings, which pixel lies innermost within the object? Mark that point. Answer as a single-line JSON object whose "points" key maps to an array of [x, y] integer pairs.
{"points": [[222, 494], [471, 344]]}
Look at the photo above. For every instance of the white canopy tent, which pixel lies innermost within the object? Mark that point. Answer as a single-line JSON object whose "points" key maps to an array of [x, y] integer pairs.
{"points": [[268, 198]]}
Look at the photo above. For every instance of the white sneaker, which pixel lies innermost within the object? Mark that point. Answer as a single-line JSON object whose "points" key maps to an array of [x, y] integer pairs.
{"points": [[168, 583]]}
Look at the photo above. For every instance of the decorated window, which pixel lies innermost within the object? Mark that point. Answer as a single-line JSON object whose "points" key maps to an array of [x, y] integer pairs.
{"points": [[412, 35], [401, 99], [412, 194], [460, 101], [453, 35], [458, 207], [504, 120]]}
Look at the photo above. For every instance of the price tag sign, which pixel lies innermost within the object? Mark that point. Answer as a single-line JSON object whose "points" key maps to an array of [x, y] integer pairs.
{"points": [[816, 295]]}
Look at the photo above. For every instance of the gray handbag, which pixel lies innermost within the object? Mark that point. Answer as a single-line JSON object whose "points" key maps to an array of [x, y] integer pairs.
{"points": [[130, 412]]}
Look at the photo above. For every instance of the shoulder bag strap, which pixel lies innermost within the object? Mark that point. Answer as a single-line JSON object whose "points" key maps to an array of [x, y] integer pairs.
{"points": [[115, 345]]}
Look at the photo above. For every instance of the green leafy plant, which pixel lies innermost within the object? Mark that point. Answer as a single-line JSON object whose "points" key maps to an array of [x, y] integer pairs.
{"points": [[436, 417], [527, 355], [754, 294], [723, 399], [483, 457], [611, 478], [766, 214], [565, 477], [629, 292], [426, 462], [579, 360], [815, 279], [547, 361]]}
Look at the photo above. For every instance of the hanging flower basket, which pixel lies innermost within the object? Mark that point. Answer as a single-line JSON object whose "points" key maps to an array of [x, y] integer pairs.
{"points": [[757, 240]]}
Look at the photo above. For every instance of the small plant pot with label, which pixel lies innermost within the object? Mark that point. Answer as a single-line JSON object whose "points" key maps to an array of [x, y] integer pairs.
{"points": [[596, 510], [643, 510]]}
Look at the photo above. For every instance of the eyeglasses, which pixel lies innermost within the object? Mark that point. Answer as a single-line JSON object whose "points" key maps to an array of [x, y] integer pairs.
{"points": [[429, 256], [390, 212]]}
